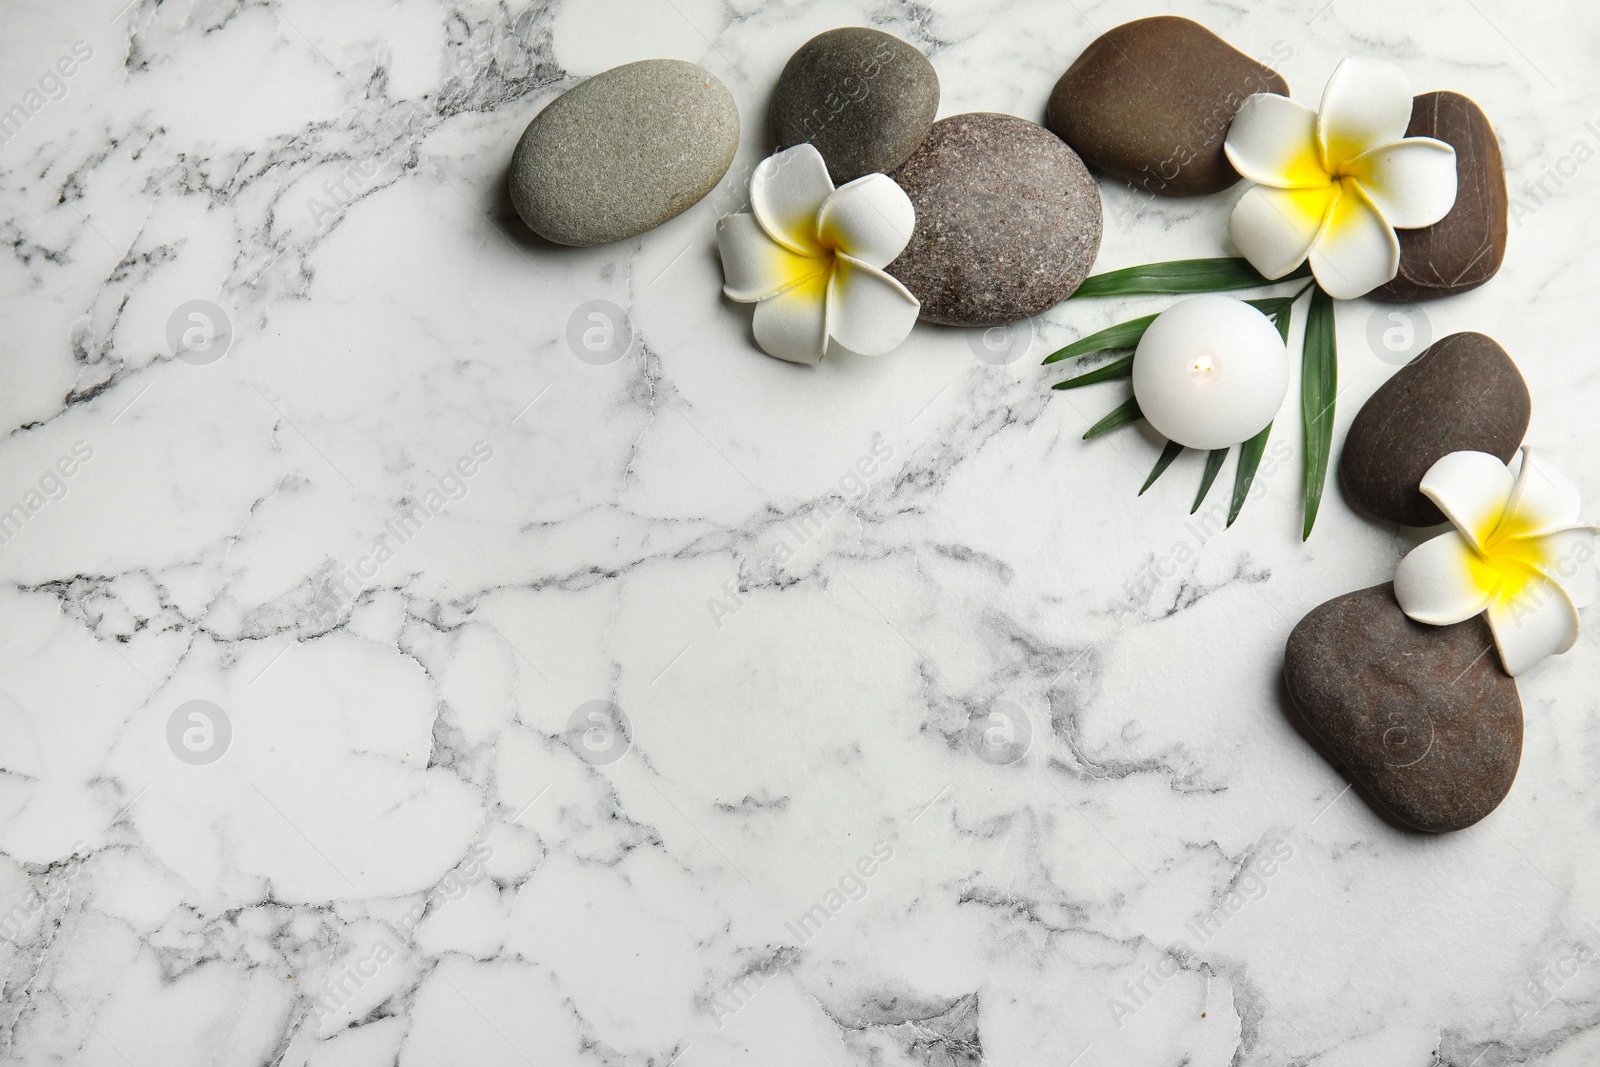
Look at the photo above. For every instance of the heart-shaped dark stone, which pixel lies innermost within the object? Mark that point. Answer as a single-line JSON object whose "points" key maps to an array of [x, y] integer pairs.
{"points": [[1423, 717]]}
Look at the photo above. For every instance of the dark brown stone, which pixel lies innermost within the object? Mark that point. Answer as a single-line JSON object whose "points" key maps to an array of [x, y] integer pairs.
{"points": [[1422, 717], [1462, 394], [864, 99], [1008, 221], [1151, 102], [1464, 249]]}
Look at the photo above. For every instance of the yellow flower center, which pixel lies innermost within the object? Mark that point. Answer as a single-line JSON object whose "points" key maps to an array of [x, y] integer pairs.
{"points": [[1511, 557], [1314, 168], [1306, 171]]}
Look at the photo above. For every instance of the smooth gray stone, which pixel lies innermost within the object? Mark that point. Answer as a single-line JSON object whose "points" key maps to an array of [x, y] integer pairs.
{"points": [[624, 152], [864, 99]]}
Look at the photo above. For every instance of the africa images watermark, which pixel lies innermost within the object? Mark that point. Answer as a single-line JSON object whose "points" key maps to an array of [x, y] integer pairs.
{"points": [[1554, 175], [1544, 985], [799, 531], [15, 921], [338, 990], [52, 86], [346, 582], [51, 487], [1248, 885], [731, 193], [1155, 180], [1521, 602], [360, 175], [1202, 527], [853, 89], [850, 886]]}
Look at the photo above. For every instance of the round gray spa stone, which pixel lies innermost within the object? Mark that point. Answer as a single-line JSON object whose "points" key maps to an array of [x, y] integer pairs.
{"points": [[624, 152], [863, 98]]}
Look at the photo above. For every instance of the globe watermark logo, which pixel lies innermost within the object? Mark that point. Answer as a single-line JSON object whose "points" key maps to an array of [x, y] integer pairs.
{"points": [[599, 333], [1397, 335], [599, 732], [999, 733], [1000, 346], [199, 732], [199, 332]]}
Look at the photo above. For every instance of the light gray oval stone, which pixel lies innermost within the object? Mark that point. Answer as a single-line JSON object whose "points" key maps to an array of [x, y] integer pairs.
{"points": [[624, 152]]}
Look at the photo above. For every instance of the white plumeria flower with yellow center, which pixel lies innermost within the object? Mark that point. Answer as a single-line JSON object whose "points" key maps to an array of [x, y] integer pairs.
{"points": [[1517, 552], [811, 257], [1333, 185]]}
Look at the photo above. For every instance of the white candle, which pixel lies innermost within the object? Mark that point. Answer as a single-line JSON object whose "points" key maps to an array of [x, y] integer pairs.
{"points": [[1210, 372]]}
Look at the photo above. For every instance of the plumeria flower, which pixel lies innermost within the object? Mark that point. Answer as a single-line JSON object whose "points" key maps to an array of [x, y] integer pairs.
{"points": [[1333, 185], [812, 259], [1517, 552]]}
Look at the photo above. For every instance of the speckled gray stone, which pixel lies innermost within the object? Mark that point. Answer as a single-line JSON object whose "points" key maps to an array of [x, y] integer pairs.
{"points": [[624, 152], [1463, 394], [863, 98], [1008, 220], [1423, 717]]}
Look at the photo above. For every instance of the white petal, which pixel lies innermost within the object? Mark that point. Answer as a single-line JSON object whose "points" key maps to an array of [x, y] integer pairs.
{"points": [[1472, 489], [754, 266], [1539, 621], [1274, 228], [1567, 557], [794, 324], [1357, 250], [787, 191], [869, 312], [1443, 581], [870, 219], [1366, 105], [1273, 141], [1412, 183], [1543, 499]]}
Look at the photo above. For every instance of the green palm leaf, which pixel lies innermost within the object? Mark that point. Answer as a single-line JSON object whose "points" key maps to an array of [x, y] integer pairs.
{"points": [[1319, 384]]}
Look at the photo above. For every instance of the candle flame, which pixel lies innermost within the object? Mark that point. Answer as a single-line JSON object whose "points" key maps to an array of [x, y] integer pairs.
{"points": [[1203, 364]]}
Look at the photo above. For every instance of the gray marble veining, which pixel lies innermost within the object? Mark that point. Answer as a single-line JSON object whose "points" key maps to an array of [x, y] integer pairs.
{"points": [[630, 697]]}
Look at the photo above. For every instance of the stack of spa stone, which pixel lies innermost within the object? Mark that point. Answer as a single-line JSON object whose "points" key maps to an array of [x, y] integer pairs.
{"points": [[1424, 718]]}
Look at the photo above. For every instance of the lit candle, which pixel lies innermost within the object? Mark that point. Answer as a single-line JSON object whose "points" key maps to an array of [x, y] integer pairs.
{"points": [[1210, 372]]}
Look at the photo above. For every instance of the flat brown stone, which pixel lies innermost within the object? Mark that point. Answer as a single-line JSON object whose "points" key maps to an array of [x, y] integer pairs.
{"points": [[1463, 394], [1465, 248], [1151, 101], [1422, 717]]}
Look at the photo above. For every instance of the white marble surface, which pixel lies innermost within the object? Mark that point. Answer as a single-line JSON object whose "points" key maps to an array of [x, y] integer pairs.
{"points": [[403, 749]]}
